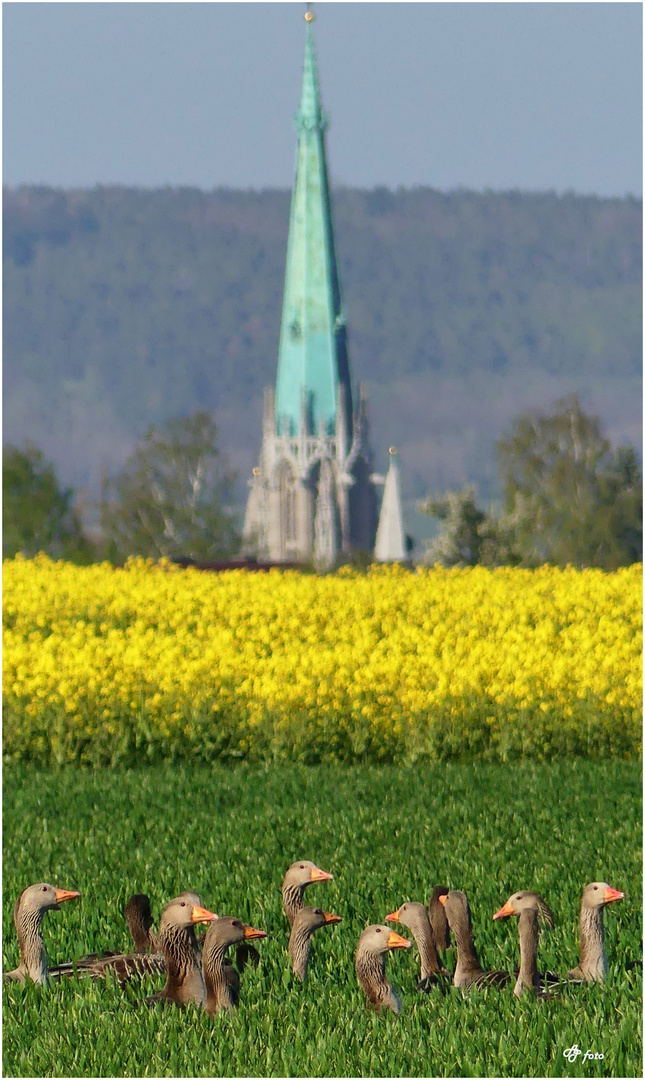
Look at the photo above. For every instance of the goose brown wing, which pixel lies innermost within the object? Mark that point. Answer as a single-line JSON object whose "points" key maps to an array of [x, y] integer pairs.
{"points": [[492, 978], [123, 967]]}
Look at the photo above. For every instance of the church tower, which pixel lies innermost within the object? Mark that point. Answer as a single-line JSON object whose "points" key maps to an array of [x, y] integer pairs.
{"points": [[312, 496]]}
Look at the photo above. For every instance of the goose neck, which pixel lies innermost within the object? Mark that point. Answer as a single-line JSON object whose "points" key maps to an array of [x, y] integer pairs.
{"points": [[33, 959], [218, 992], [299, 949], [292, 900], [424, 938], [467, 957], [593, 959], [528, 978]]}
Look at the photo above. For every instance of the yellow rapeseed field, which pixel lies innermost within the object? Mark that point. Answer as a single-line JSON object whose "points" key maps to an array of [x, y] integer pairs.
{"points": [[108, 665]]}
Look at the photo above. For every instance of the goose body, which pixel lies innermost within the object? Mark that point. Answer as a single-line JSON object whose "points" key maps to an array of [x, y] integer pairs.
{"points": [[438, 920], [31, 907], [148, 959], [592, 966], [528, 977], [220, 992], [373, 946], [531, 909], [126, 966], [305, 923], [184, 982], [468, 969], [415, 917]]}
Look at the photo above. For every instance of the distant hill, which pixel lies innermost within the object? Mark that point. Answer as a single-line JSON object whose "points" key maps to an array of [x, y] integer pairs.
{"points": [[124, 306]]}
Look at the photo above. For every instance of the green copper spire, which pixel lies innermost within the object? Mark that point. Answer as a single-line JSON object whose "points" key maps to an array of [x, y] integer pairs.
{"points": [[312, 359]]}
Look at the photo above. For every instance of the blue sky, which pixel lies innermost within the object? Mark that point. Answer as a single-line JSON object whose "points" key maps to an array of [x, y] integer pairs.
{"points": [[506, 95]]}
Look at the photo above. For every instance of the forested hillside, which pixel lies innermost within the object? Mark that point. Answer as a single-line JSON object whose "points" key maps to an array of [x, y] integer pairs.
{"points": [[125, 306]]}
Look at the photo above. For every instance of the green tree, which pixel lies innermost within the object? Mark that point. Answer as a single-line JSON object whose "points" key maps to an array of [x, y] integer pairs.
{"points": [[459, 542], [469, 535], [173, 496], [621, 486], [567, 497], [37, 514]]}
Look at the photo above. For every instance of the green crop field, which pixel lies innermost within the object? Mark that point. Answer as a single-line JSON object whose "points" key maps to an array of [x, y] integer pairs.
{"points": [[387, 834]]}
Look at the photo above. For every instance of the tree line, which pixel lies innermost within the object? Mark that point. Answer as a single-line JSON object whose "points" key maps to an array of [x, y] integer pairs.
{"points": [[123, 307], [568, 498], [186, 286]]}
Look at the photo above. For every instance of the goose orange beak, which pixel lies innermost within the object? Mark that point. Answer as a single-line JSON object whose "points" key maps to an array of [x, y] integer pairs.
{"points": [[331, 918], [443, 898], [200, 914], [65, 894], [393, 916], [508, 909], [613, 894], [395, 941], [251, 932], [320, 875]]}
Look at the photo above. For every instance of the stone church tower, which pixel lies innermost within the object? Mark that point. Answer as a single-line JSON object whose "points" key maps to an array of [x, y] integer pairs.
{"points": [[312, 495]]}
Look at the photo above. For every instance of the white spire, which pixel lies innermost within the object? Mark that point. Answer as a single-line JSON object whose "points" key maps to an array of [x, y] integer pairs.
{"points": [[390, 535]]}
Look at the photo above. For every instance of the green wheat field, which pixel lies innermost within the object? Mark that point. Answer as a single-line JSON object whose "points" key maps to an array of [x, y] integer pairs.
{"points": [[388, 834]]}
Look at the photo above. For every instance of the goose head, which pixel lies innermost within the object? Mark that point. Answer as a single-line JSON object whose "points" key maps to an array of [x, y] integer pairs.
{"points": [[183, 913], [410, 914], [598, 894], [303, 873], [524, 901], [37, 899], [380, 939]]}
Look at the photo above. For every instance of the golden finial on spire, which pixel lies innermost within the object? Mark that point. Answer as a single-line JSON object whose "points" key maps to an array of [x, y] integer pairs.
{"points": [[309, 15], [392, 450]]}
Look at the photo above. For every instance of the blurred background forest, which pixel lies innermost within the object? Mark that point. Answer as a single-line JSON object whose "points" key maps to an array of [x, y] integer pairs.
{"points": [[124, 307]]}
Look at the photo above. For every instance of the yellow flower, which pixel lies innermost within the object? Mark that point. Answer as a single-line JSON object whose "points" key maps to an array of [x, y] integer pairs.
{"points": [[144, 650]]}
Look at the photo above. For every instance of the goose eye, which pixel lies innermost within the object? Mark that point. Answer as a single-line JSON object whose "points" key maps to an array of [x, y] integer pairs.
{"points": [[318, 911], [302, 866], [405, 907], [595, 888], [378, 929], [236, 924], [44, 888], [183, 903]]}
